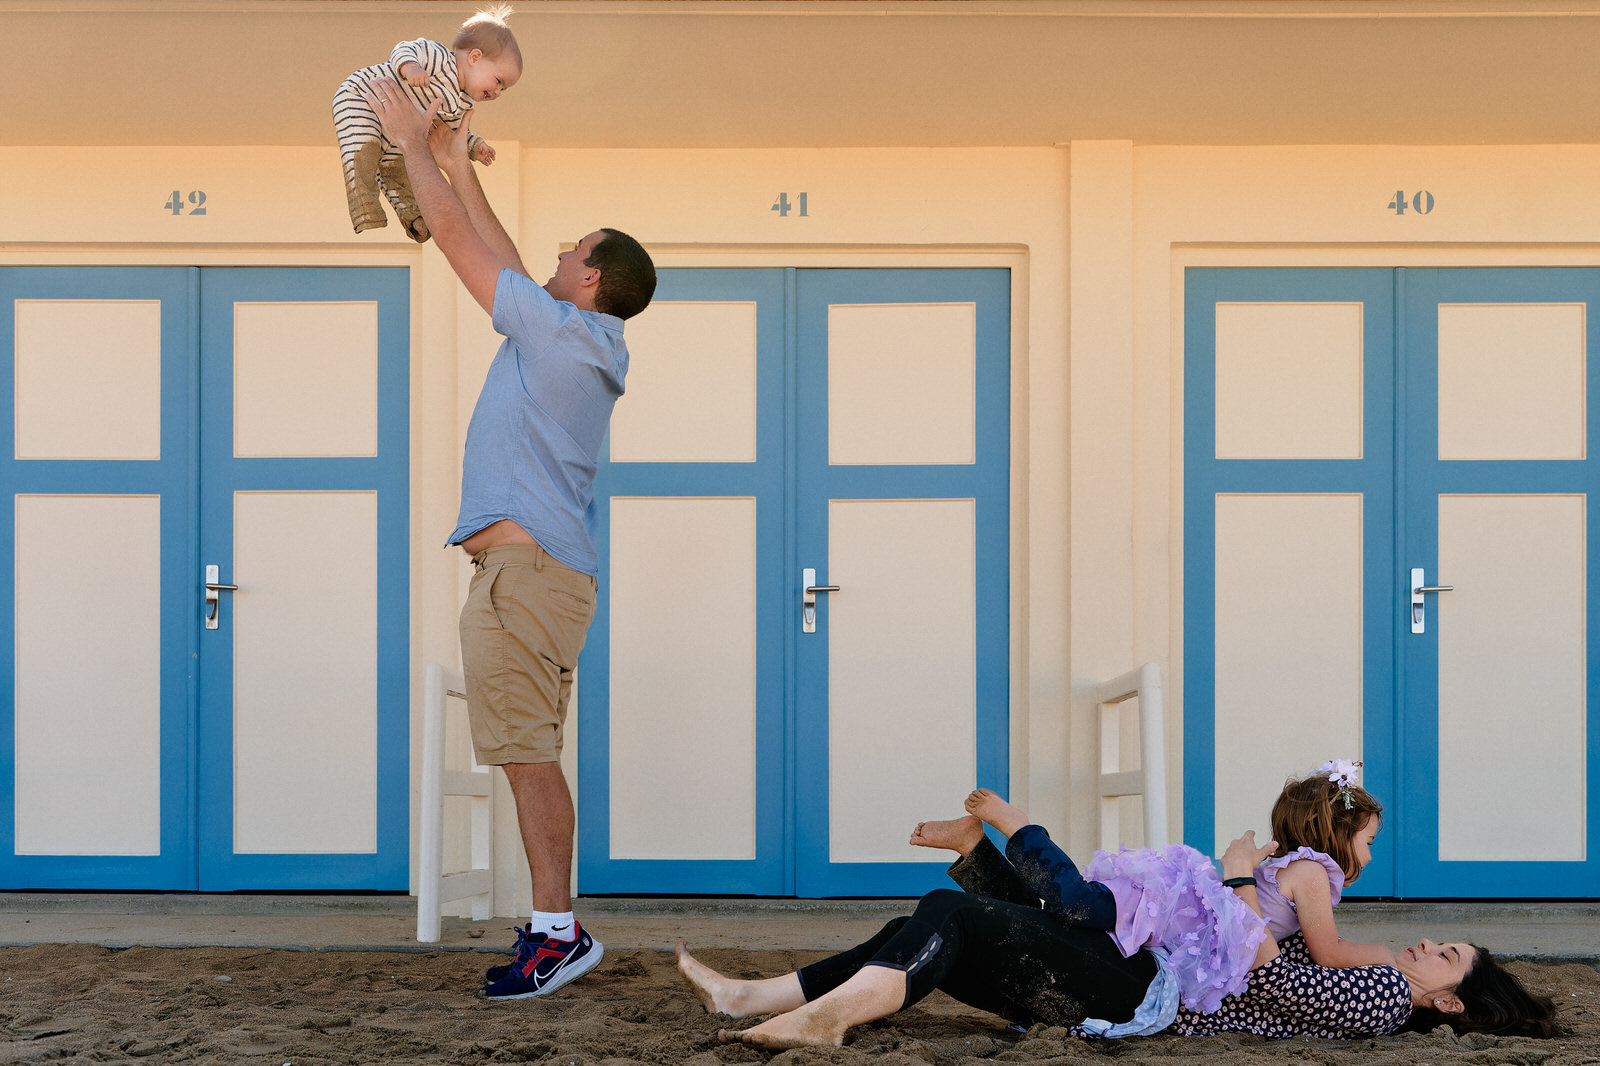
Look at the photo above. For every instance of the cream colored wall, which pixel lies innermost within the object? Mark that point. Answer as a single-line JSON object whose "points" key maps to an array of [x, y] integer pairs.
{"points": [[1100, 482], [1302, 206]]}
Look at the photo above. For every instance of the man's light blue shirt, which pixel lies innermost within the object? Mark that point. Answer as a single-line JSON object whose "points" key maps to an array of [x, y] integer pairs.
{"points": [[535, 436]]}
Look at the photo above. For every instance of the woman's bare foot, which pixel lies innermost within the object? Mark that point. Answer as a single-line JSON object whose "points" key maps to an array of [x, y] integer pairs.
{"points": [[988, 805], [872, 992], [734, 997], [806, 1027], [960, 835], [715, 992]]}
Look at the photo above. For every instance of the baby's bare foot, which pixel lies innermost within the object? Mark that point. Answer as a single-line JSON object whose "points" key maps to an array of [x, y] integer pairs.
{"points": [[960, 835], [988, 805]]}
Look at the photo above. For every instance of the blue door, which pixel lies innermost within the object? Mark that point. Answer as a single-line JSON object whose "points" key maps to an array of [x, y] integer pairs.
{"points": [[1387, 557], [96, 760], [210, 466], [1499, 672], [838, 431]]}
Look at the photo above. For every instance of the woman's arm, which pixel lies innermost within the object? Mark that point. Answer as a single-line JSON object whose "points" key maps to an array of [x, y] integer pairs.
{"points": [[1305, 884], [1240, 861]]}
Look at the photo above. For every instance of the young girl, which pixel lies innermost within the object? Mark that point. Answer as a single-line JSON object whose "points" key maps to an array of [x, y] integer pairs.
{"points": [[1167, 898], [1324, 825]]}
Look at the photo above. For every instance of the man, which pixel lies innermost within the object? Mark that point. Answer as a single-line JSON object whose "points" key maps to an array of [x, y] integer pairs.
{"points": [[527, 506]]}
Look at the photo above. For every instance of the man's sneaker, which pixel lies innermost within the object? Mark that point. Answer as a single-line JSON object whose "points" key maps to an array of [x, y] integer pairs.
{"points": [[543, 965], [519, 952]]}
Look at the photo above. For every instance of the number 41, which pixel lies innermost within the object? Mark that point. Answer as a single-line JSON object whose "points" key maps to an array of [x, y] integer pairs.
{"points": [[781, 205]]}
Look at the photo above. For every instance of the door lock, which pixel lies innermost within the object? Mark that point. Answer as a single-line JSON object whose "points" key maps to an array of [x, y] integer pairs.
{"points": [[213, 587], [1418, 607], [808, 599]]}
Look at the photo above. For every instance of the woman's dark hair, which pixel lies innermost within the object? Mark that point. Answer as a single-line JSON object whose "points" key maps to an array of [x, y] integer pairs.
{"points": [[1495, 1003], [627, 275]]}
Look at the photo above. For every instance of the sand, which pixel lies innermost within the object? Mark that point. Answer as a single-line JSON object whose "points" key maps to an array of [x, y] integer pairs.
{"points": [[247, 1006]]}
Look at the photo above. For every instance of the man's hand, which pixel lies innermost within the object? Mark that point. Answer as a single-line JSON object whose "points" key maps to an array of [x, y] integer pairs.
{"points": [[450, 146], [402, 123]]}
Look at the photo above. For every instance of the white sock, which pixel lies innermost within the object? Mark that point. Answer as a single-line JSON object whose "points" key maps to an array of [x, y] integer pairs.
{"points": [[555, 925]]}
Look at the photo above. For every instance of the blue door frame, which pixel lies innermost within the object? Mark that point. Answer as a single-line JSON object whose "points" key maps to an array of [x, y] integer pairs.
{"points": [[196, 477], [791, 482], [1400, 478]]}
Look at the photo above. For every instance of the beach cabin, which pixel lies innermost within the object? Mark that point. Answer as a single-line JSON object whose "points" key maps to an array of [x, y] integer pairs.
{"points": [[1001, 347]]}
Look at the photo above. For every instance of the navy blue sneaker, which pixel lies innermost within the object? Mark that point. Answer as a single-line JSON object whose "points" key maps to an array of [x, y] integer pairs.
{"points": [[519, 951], [543, 965]]}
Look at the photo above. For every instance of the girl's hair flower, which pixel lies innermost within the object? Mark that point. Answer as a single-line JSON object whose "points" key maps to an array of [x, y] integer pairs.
{"points": [[1344, 776]]}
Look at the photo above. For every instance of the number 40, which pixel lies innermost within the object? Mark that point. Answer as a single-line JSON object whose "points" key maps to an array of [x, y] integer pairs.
{"points": [[1421, 202]]}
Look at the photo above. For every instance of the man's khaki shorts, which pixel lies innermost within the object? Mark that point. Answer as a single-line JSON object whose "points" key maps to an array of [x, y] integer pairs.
{"points": [[522, 627]]}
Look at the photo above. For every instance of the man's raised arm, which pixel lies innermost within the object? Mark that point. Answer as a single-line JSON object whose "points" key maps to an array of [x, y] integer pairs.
{"points": [[450, 153], [476, 261]]}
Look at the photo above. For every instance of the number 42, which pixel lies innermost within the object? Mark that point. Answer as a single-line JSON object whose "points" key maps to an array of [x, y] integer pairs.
{"points": [[175, 203]]}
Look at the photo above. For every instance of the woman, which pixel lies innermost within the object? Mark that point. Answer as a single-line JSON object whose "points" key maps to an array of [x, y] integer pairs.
{"points": [[993, 948]]}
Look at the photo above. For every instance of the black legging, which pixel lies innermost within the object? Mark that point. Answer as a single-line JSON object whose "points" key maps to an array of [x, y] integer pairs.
{"points": [[1002, 955]]}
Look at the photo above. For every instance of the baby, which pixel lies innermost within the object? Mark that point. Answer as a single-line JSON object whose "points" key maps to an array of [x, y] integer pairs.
{"points": [[480, 64]]}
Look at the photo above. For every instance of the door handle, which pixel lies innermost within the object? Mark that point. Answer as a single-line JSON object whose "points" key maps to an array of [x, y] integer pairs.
{"points": [[213, 586], [1418, 607], [808, 599]]}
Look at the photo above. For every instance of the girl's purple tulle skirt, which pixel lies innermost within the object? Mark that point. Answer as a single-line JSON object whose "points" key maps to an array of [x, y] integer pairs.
{"points": [[1172, 898]]}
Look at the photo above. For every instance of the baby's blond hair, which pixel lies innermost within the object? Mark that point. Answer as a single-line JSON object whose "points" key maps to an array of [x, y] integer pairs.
{"points": [[488, 33]]}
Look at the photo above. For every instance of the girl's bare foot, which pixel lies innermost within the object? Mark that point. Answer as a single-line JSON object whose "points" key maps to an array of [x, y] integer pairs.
{"points": [[960, 835], [806, 1027], [987, 805]]}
